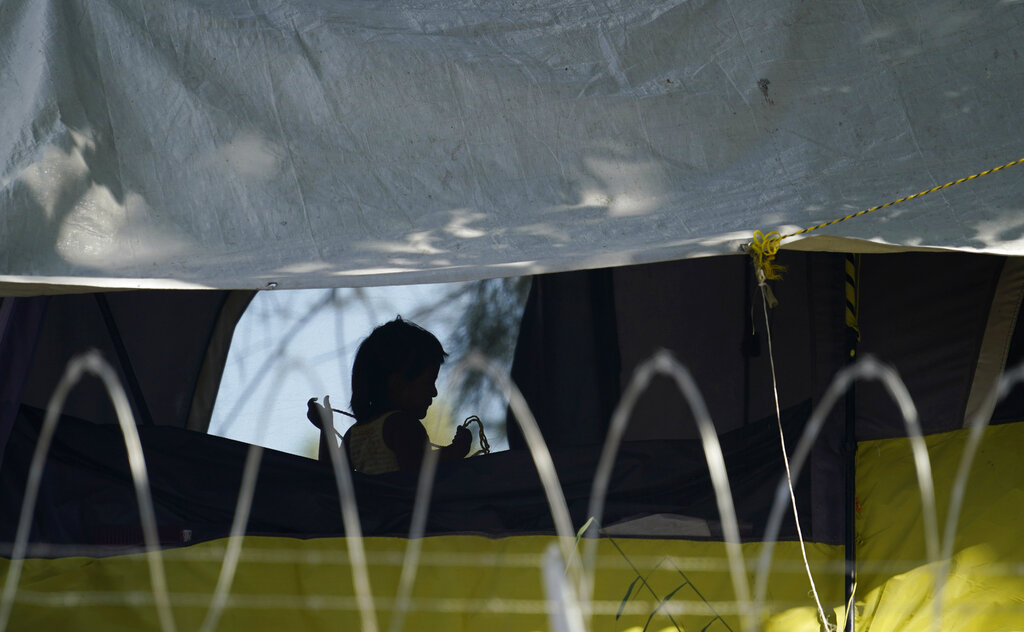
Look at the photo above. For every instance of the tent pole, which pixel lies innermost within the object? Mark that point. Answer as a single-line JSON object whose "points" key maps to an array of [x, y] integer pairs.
{"points": [[852, 294], [850, 451], [145, 417]]}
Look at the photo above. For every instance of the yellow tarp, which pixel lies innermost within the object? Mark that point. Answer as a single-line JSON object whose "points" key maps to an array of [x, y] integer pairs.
{"points": [[985, 587], [464, 583], [495, 584]]}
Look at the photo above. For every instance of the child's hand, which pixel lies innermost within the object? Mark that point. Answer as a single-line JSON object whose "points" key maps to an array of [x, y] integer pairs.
{"points": [[463, 440], [313, 412]]}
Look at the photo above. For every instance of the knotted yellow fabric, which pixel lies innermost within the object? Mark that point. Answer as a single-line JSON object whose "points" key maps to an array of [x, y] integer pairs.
{"points": [[763, 250]]}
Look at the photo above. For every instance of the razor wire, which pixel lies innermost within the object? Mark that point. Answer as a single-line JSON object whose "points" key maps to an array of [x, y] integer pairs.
{"points": [[939, 550]]}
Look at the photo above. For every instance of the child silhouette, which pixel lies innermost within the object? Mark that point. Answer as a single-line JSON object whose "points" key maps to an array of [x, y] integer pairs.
{"points": [[393, 380]]}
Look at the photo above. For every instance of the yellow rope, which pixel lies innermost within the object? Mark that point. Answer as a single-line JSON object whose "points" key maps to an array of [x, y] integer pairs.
{"points": [[764, 247]]}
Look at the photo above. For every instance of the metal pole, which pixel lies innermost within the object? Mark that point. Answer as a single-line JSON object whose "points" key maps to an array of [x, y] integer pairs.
{"points": [[852, 293]]}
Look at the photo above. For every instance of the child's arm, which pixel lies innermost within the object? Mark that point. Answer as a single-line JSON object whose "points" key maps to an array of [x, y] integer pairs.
{"points": [[406, 436], [316, 413]]}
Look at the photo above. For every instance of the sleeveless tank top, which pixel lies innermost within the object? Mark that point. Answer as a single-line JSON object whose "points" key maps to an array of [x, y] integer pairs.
{"points": [[366, 448]]}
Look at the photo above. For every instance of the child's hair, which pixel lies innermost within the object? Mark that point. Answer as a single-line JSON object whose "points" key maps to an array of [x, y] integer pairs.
{"points": [[399, 346]]}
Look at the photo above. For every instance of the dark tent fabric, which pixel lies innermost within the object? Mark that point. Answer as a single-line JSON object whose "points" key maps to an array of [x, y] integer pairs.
{"points": [[583, 334], [708, 313], [158, 341], [167, 347], [1011, 409], [925, 313], [19, 329], [568, 346], [87, 495]]}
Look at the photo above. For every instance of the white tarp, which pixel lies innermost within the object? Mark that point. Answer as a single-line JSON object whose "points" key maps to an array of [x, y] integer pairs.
{"points": [[247, 143]]}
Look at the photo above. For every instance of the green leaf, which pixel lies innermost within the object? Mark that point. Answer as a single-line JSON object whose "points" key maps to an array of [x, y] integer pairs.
{"points": [[629, 591], [583, 529], [576, 544]]}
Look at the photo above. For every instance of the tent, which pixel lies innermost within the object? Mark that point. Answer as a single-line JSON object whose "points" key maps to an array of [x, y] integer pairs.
{"points": [[162, 163]]}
